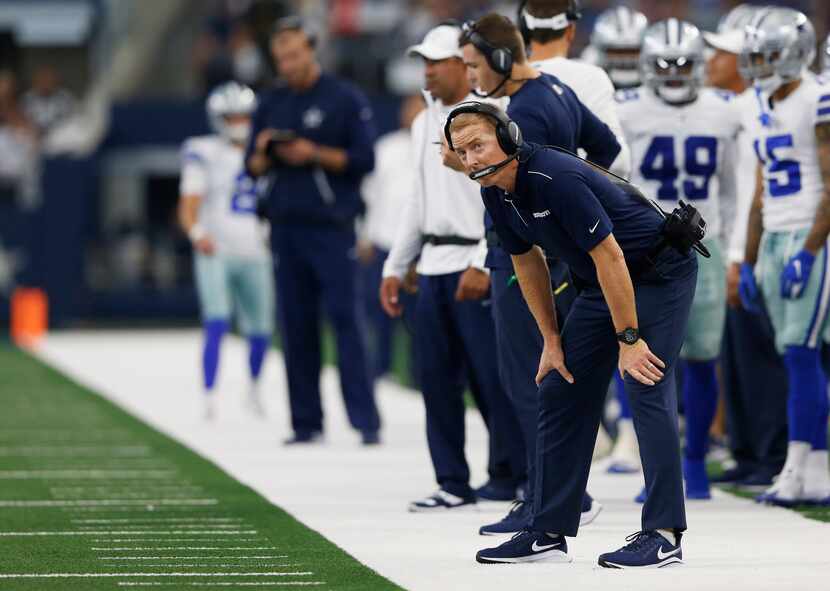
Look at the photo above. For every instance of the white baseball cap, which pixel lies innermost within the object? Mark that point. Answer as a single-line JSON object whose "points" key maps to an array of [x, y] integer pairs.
{"points": [[731, 41], [439, 44]]}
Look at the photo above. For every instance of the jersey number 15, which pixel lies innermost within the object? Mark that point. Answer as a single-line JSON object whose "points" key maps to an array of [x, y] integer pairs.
{"points": [[700, 161], [783, 177]]}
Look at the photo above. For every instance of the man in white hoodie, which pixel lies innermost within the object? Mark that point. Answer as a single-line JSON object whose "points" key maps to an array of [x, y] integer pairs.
{"points": [[443, 224]]}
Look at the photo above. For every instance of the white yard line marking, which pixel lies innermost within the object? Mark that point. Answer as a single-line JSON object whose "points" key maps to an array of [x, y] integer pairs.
{"points": [[207, 564], [269, 557], [175, 574], [140, 548], [235, 584], [74, 451], [83, 474], [159, 520], [169, 540], [142, 527], [106, 502], [110, 533]]}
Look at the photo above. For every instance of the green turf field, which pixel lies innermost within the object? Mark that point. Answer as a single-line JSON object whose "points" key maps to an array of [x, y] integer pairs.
{"points": [[85, 489]]}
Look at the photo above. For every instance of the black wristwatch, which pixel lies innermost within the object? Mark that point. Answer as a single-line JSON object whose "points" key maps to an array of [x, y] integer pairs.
{"points": [[629, 336]]}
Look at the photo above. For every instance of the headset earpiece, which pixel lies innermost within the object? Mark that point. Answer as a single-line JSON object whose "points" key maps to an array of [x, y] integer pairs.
{"points": [[508, 133], [500, 59]]}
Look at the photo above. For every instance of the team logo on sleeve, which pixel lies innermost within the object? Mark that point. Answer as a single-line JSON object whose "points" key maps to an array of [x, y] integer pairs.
{"points": [[312, 118]]}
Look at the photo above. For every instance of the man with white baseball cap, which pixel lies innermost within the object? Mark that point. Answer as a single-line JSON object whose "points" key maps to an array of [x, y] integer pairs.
{"points": [[754, 379], [442, 226]]}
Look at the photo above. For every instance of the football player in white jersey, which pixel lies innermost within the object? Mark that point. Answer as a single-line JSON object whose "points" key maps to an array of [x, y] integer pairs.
{"points": [[682, 138], [232, 264], [786, 252], [616, 41]]}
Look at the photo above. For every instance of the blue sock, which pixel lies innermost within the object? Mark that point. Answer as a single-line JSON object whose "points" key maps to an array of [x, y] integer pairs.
{"points": [[806, 392], [820, 439], [214, 331], [258, 347], [622, 397], [700, 401]]}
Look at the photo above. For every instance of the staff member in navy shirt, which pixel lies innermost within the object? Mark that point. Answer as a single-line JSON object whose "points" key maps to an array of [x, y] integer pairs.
{"points": [[635, 291], [314, 135], [548, 112]]}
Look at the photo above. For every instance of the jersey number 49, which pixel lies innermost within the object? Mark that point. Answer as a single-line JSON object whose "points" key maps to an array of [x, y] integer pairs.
{"points": [[699, 163]]}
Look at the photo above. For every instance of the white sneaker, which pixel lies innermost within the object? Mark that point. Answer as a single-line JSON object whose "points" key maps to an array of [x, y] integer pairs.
{"points": [[209, 410], [253, 404], [788, 489], [625, 458], [603, 445], [817, 478], [589, 515]]}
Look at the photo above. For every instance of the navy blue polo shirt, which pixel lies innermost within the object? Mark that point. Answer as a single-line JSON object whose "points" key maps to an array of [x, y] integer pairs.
{"points": [[563, 205], [332, 113], [549, 113]]}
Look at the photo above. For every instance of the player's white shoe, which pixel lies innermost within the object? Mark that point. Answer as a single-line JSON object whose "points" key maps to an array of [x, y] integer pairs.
{"points": [[817, 479], [209, 408], [788, 489], [253, 403], [625, 458], [603, 445]]}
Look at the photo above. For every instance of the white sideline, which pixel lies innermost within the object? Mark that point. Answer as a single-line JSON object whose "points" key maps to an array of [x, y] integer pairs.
{"points": [[357, 497]]}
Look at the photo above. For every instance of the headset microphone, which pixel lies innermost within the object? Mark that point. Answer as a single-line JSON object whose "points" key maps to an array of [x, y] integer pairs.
{"points": [[488, 170]]}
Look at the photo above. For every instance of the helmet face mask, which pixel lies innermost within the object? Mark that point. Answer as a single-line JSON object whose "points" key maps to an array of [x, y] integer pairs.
{"points": [[617, 37], [779, 44], [225, 103], [672, 61]]}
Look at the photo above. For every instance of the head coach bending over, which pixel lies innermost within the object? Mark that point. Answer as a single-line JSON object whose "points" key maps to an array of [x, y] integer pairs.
{"points": [[632, 312]]}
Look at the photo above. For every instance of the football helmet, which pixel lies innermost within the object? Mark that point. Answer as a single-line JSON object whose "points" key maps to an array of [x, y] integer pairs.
{"points": [[672, 62], [617, 37], [231, 98]]}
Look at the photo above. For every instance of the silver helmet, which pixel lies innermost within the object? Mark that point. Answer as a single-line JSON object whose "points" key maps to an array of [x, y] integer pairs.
{"points": [[779, 43], [737, 18], [672, 63], [617, 37], [231, 98]]}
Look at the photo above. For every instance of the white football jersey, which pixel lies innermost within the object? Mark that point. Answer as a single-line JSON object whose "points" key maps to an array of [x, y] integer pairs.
{"points": [[594, 89], [213, 169], [785, 143], [683, 152]]}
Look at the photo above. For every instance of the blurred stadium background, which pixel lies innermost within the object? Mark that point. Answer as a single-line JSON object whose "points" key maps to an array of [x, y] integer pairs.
{"points": [[96, 97]]}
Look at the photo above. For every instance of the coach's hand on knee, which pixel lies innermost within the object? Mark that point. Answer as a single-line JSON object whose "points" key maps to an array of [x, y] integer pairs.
{"points": [[553, 358], [640, 363], [390, 288]]}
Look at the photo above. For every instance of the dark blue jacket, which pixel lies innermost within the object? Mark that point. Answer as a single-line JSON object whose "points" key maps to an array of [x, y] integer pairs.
{"points": [[567, 207], [331, 113], [549, 113]]}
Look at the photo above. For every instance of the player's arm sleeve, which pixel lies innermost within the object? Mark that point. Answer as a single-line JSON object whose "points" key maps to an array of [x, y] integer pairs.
{"points": [[408, 239], [606, 110], [361, 131], [577, 209], [194, 177], [597, 139]]}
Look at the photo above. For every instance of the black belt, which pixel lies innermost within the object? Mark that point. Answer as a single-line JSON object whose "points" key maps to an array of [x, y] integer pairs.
{"points": [[450, 240]]}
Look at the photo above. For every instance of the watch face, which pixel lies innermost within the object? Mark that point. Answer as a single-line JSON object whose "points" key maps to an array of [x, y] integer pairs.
{"points": [[630, 336]]}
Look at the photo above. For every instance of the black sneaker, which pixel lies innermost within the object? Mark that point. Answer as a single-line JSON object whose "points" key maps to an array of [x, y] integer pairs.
{"points": [[442, 501], [497, 491], [645, 549], [370, 437], [527, 546], [304, 437], [515, 520]]}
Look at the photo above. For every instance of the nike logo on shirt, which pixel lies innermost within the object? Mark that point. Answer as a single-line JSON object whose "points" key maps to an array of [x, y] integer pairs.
{"points": [[592, 230]]}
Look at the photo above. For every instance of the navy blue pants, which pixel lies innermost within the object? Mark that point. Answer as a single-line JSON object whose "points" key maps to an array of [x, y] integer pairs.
{"points": [[455, 343], [569, 414], [380, 324], [315, 270], [755, 392], [519, 350]]}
